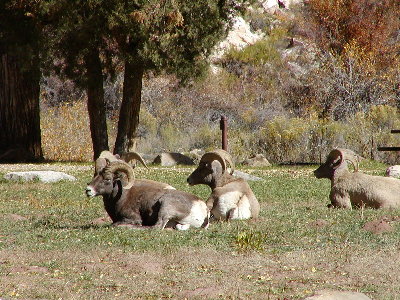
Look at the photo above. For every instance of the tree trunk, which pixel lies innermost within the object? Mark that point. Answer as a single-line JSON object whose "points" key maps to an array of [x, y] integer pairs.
{"points": [[130, 108], [96, 107], [20, 138]]}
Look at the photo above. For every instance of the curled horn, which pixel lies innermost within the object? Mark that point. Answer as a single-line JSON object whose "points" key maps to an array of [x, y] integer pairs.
{"points": [[108, 155], [120, 166], [351, 157], [127, 157], [222, 156], [101, 162]]}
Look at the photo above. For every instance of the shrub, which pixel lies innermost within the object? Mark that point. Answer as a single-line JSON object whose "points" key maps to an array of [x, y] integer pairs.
{"points": [[311, 139], [250, 240], [66, 133], [171, 138], [285, 140], [259, 53]]}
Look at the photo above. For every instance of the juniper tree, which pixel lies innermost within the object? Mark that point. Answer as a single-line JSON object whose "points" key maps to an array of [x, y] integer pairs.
{"points": [[19, 82], [93, 38]]}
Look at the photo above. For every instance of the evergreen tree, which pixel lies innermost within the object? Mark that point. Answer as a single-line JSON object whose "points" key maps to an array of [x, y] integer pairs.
{"points": [[163, 36], [20, 138]]}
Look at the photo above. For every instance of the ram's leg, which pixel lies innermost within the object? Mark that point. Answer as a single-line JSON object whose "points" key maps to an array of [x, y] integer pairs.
{"points": [[210, 203], [231, 213], [206, 222], [340, 201], [162, 221], [164, 217], [133, 220]]}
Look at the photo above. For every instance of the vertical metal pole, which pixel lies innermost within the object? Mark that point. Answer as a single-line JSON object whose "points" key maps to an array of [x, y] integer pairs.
{"points": [[224, 127]]}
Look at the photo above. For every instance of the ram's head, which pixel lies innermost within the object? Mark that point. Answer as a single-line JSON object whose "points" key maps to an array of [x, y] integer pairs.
{"points": [[212, 164], [109, 169], [337, 159]]}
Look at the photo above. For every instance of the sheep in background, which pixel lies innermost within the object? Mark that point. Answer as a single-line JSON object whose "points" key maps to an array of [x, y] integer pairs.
{"points": [[357, 189], [231, 198], [143, 202]]}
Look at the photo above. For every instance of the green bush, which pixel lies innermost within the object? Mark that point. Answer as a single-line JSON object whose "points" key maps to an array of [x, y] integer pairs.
{"points": [[259, 53], [285, 140], [311, 139], [248, 240]]}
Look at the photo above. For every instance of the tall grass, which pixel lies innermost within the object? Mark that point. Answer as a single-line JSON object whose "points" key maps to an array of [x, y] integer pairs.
{"points": [[66, 135]]}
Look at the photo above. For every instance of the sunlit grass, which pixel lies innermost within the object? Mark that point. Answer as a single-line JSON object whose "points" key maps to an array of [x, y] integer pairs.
{"points": [[58, 218]]}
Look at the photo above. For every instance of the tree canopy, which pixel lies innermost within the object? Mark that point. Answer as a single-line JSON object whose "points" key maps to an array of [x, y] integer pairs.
{"points": [[93, 39]]}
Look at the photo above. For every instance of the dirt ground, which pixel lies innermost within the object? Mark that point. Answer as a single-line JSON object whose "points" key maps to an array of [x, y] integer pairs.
{"points": [[161, 275]]}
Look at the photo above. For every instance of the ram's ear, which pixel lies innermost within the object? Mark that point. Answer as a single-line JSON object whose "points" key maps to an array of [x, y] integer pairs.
{"points": [[335, 158]]}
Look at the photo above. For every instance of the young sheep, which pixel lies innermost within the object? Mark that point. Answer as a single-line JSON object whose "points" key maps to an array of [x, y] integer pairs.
{"points": [[231, 198], [357, 189], [143, 202]]}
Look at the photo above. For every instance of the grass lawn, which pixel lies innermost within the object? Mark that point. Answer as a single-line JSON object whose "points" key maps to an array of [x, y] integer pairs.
{"points": [[57, 244]]}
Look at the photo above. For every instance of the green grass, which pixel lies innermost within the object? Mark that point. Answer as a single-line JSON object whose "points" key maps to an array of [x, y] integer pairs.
{"points": [[283, 254]]}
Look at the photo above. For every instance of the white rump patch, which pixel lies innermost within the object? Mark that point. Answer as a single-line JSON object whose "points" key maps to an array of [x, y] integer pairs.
{"points": [[243, 210], [196, 217], [232, 200]]}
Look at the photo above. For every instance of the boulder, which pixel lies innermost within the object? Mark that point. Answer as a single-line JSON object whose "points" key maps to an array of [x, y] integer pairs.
{"points": [[337, 295], [246, 176], [257, 161], [197, 153], [172, 159], [43, 176], [393, 171], [272, 6], [148, 158], [238, 37]]}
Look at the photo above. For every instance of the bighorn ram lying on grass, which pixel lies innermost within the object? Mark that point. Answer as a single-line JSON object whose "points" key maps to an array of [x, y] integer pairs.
{"points": [[357, 189], [231, 198], [140, 201]]}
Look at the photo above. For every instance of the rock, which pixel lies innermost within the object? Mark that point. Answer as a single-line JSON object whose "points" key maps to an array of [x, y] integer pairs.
{"points": [[238, 37], [246, 176], [257, 161], [29, 269], [43, 176], [337, 295], [197, 153], [172, 158], [393, 171], [272, 6], [15, 217], [148, 158]]}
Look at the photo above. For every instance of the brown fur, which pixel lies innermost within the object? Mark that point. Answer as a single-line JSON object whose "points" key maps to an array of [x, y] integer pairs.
{"points": [[222, 185], [357, 189], [147, 202]]}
